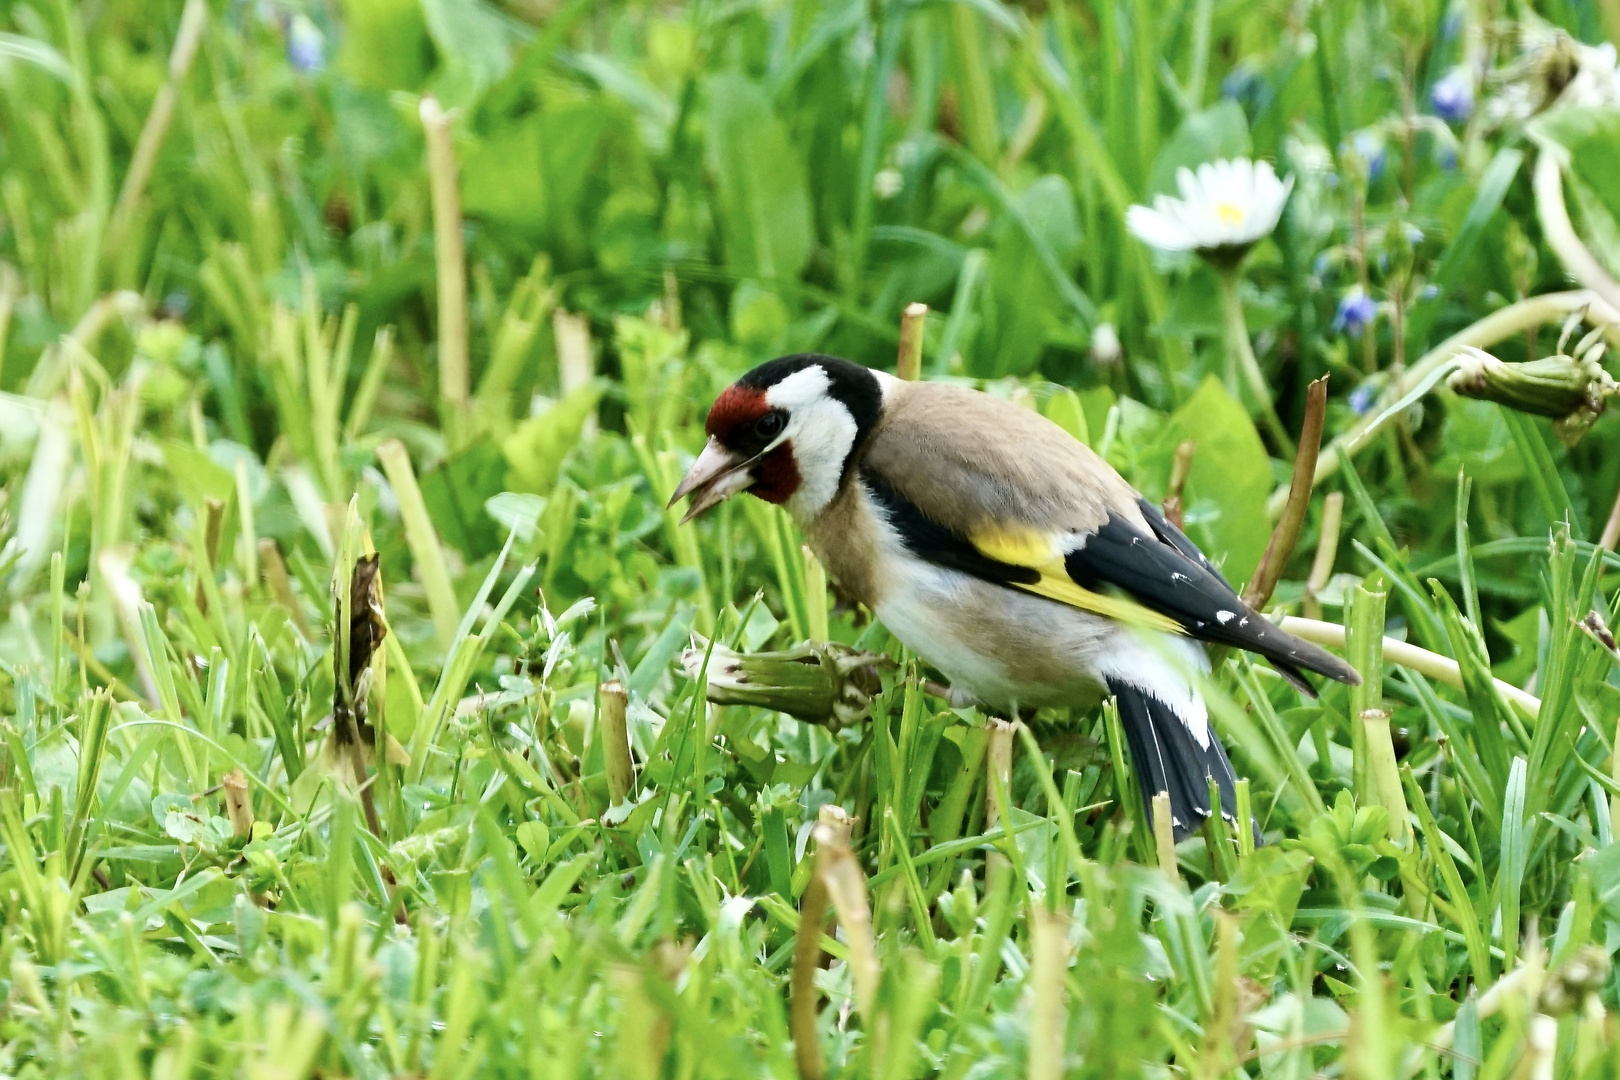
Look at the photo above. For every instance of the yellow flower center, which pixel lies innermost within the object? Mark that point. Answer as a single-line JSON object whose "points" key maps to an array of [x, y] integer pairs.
{"points": [[1229, 213]]}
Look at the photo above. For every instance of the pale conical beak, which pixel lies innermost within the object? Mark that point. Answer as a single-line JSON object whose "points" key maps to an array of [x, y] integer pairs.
{"points": [[714, 477]]}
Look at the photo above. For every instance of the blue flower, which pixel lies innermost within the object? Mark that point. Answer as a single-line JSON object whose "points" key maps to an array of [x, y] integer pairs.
{"points": [[1356, 312], [1361, 399], [1452, 98], [306, 45], [1236, 83]]}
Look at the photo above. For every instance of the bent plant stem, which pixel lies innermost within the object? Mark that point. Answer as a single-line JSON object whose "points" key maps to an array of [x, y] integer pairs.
{"points": [[1441, 668], [1611, 529], [1498, 326], [1286, 534], [1583, 266], [193, 19], [1241, 362]]}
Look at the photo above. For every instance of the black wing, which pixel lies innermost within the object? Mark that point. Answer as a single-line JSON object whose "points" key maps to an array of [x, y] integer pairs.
{"points": [[1166, 572]]}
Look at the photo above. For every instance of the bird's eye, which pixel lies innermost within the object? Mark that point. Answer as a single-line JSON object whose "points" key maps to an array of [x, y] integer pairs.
{"points": [[770, 425]]}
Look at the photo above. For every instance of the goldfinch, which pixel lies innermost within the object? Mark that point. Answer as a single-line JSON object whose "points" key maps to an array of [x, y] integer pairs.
{"points": [[1002, 551]]}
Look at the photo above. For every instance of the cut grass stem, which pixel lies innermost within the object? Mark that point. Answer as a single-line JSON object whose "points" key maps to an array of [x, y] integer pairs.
{"points": [[1498, 326], [451, 259], [1402, 653]]}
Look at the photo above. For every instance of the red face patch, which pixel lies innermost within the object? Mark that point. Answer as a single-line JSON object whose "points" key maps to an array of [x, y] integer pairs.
{"points": [[735, 409], [776, 477]]}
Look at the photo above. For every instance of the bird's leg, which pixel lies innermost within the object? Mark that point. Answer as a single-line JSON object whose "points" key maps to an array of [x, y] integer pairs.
{"points": [[955, 696]]}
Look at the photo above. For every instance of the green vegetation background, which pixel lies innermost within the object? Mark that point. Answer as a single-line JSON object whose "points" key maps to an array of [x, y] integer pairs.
{"points": [[235, 354]]}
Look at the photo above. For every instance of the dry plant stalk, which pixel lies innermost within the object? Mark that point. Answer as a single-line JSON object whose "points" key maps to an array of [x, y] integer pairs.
{"points": [[645, 1022], [1407, 655], [1548, 184], [836, 820], [613, 703], [575, 365], [1286, 534], [450, 249], [238, 806], [1327, 550], [846, 887], [802, 981], [1180, 469], [280, 582], [998, 769], [1049, 962], [1164, 836], [912, 320], [1611, 528], [838, 882], [1524, 982], [1498, 326]]}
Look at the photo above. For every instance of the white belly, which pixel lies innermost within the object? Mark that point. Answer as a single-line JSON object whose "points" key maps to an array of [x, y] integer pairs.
{"points": [[1004, 647], [1011, 649]]}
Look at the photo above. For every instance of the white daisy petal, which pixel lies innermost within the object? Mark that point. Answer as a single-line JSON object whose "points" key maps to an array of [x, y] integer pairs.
{"points": [[1228, 204], [1159, 229]]}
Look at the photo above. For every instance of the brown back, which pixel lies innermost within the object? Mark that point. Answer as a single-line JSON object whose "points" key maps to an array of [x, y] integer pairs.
{"points": [[973, 462]]}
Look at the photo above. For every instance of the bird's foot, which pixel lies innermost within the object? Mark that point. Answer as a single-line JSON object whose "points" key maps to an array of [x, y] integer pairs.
{"points": [[960, 698]]}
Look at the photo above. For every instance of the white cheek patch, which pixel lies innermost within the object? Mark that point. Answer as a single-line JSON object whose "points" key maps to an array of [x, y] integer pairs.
{"points": [[822, 432], [803, 387]]}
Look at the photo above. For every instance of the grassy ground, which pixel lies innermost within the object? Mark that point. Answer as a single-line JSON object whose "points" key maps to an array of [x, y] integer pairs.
{"points": [[286, 284]]}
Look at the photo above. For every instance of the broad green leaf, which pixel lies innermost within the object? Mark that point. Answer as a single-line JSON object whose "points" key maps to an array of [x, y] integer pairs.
{"points": [[384, 43], [475, 43], [764, 204], [502, 178], [455, 494], [1064, 409], [1022, 307], [516, 512], [1229, 481], [1493, 187], [198, 476], [1604, 869], [536, 448], [1218, 132], [535, 838]]}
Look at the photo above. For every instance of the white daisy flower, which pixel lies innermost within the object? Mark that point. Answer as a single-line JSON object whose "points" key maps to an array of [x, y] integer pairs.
{"points": [[1225, 207]]}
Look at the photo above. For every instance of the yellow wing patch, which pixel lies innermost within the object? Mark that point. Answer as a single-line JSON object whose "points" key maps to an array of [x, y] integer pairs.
{"points": [[1039, 551]]}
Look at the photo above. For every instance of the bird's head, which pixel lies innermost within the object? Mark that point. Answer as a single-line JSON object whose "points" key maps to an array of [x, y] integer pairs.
{"points": [[786, 432]]}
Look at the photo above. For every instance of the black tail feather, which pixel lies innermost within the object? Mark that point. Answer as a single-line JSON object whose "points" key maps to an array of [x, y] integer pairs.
{"points": [[1168, 758]]}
